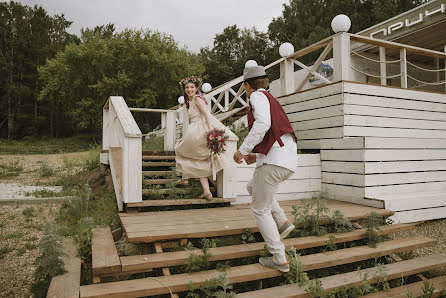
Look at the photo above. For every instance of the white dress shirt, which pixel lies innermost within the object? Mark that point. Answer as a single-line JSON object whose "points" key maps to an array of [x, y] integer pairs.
{"points": [[285, 156]]}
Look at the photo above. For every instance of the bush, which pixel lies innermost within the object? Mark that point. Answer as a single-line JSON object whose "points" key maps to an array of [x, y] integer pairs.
{"points": [[45, 169], [49, 263]]}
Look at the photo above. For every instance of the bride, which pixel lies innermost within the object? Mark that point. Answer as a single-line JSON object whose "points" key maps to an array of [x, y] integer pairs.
{"points": [[193, 157]]}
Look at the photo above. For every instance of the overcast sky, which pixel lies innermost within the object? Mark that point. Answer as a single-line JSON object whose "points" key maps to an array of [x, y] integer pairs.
{"points": [[193, 23]]}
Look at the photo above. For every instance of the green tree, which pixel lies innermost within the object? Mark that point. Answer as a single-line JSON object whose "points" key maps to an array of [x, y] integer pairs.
{"points": [[142, 66], [232, 48], [28, 36]]}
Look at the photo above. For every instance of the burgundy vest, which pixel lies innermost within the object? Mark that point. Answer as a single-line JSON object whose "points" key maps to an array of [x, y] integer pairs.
{"points": [[280, 125]]}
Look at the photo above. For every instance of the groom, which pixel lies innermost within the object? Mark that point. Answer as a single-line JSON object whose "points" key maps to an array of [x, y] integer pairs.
{"points": [[271, 143]]}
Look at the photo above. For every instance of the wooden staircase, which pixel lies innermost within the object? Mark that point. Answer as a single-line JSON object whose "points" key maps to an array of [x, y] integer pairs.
{"points": [[160, 273], [159, 184]]}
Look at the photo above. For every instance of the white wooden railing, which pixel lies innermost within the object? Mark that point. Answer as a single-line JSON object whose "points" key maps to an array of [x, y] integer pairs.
{"points": [[224, 98], [122, 150]]}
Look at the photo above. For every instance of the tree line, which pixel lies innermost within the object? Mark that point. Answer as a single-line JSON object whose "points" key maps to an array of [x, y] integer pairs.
{"points": [[55, 84]]}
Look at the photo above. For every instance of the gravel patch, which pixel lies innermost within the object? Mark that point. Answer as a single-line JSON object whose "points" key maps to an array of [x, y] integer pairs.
{"points": [[31, 164], [434, 229], [21, 234]]}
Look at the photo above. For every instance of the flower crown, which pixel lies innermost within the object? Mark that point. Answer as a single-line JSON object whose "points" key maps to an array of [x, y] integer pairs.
{"points": [[192, 79]]}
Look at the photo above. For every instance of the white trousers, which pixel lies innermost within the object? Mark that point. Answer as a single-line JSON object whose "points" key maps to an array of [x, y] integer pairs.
{"points": [[269, 215]]}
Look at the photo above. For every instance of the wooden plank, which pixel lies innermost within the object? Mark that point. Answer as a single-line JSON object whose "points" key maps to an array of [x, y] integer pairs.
{"points": [[335, 121], [387, 91], [398, 103], [144, 262], [155, 173], [310, 94], [350, 109], [419, 215], [342, 155], [343, 167], [105, 258], [404, 143], [347, 143], [343, 179], [67, 284], [116, 156], [245, 199], [375, 191], [180, 282], [356, 131], [168, 190], [401, 202], [313, 104], [158, 157], [411, 154], [414, 289], [158, 164], [339, 281], [370, 121], [400, 178], [156, 181], [323, 133], [325, 112], [352, 194], [151, 203], [404, 166]]}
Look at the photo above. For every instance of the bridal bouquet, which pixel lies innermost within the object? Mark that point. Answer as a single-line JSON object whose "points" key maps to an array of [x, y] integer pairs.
{"points": [[216, 141]]}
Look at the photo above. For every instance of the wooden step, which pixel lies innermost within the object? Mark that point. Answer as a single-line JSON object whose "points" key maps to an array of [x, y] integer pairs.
{"points": [[155, 173], [153, 203], [180, 282], [158, 164], [143, 263], [158, 157], [338, 282], [67, 284], [411, 201], [156, 181], [105, 258], [200, 223], [414, 289], [168, 190]]}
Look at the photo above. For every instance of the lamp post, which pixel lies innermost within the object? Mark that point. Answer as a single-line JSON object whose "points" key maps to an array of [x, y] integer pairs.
{"points": [[341, 47]]}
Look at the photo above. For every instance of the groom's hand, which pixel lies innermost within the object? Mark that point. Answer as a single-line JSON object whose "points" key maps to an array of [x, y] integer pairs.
{"points": [[238, 157], [251, 158]]}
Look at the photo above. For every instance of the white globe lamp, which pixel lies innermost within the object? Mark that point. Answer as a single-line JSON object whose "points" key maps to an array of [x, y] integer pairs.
{"points": [[251, 63], [341, 23], [206, 87], [181, 100], [286, 49]]}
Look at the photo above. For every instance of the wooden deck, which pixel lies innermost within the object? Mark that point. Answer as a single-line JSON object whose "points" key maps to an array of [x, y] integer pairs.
{"points": [[197, 223]]}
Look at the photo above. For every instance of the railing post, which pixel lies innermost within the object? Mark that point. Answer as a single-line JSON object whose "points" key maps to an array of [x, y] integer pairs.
{"points": [[105, 136], [170, 132], [163, 120], [226, 178], [185, 120], [382, 66], [226, 100], [403, 66], [287, 77], [341, 57]]}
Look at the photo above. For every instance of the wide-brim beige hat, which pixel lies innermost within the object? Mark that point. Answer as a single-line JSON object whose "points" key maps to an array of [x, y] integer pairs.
{"points": [[253, 72]]}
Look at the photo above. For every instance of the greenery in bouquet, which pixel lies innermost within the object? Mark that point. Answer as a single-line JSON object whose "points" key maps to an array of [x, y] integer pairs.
{"points": [[216, 141]]}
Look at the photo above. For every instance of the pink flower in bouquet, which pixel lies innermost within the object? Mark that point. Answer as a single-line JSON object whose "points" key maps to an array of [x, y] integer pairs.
{"points": [[215, 140]]}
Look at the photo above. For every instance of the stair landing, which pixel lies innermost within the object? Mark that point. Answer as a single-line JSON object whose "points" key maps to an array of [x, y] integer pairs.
{"points": [[200, 223]]}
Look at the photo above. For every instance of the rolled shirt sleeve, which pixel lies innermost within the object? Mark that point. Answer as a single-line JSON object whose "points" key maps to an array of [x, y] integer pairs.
{"points": [[262, 122]]}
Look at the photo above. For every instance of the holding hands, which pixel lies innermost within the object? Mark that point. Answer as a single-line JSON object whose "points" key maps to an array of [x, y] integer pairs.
{"points": [[249, 159]]}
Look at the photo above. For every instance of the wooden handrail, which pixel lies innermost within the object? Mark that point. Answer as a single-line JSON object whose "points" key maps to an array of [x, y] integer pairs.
{"points": [[150, 110]]}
